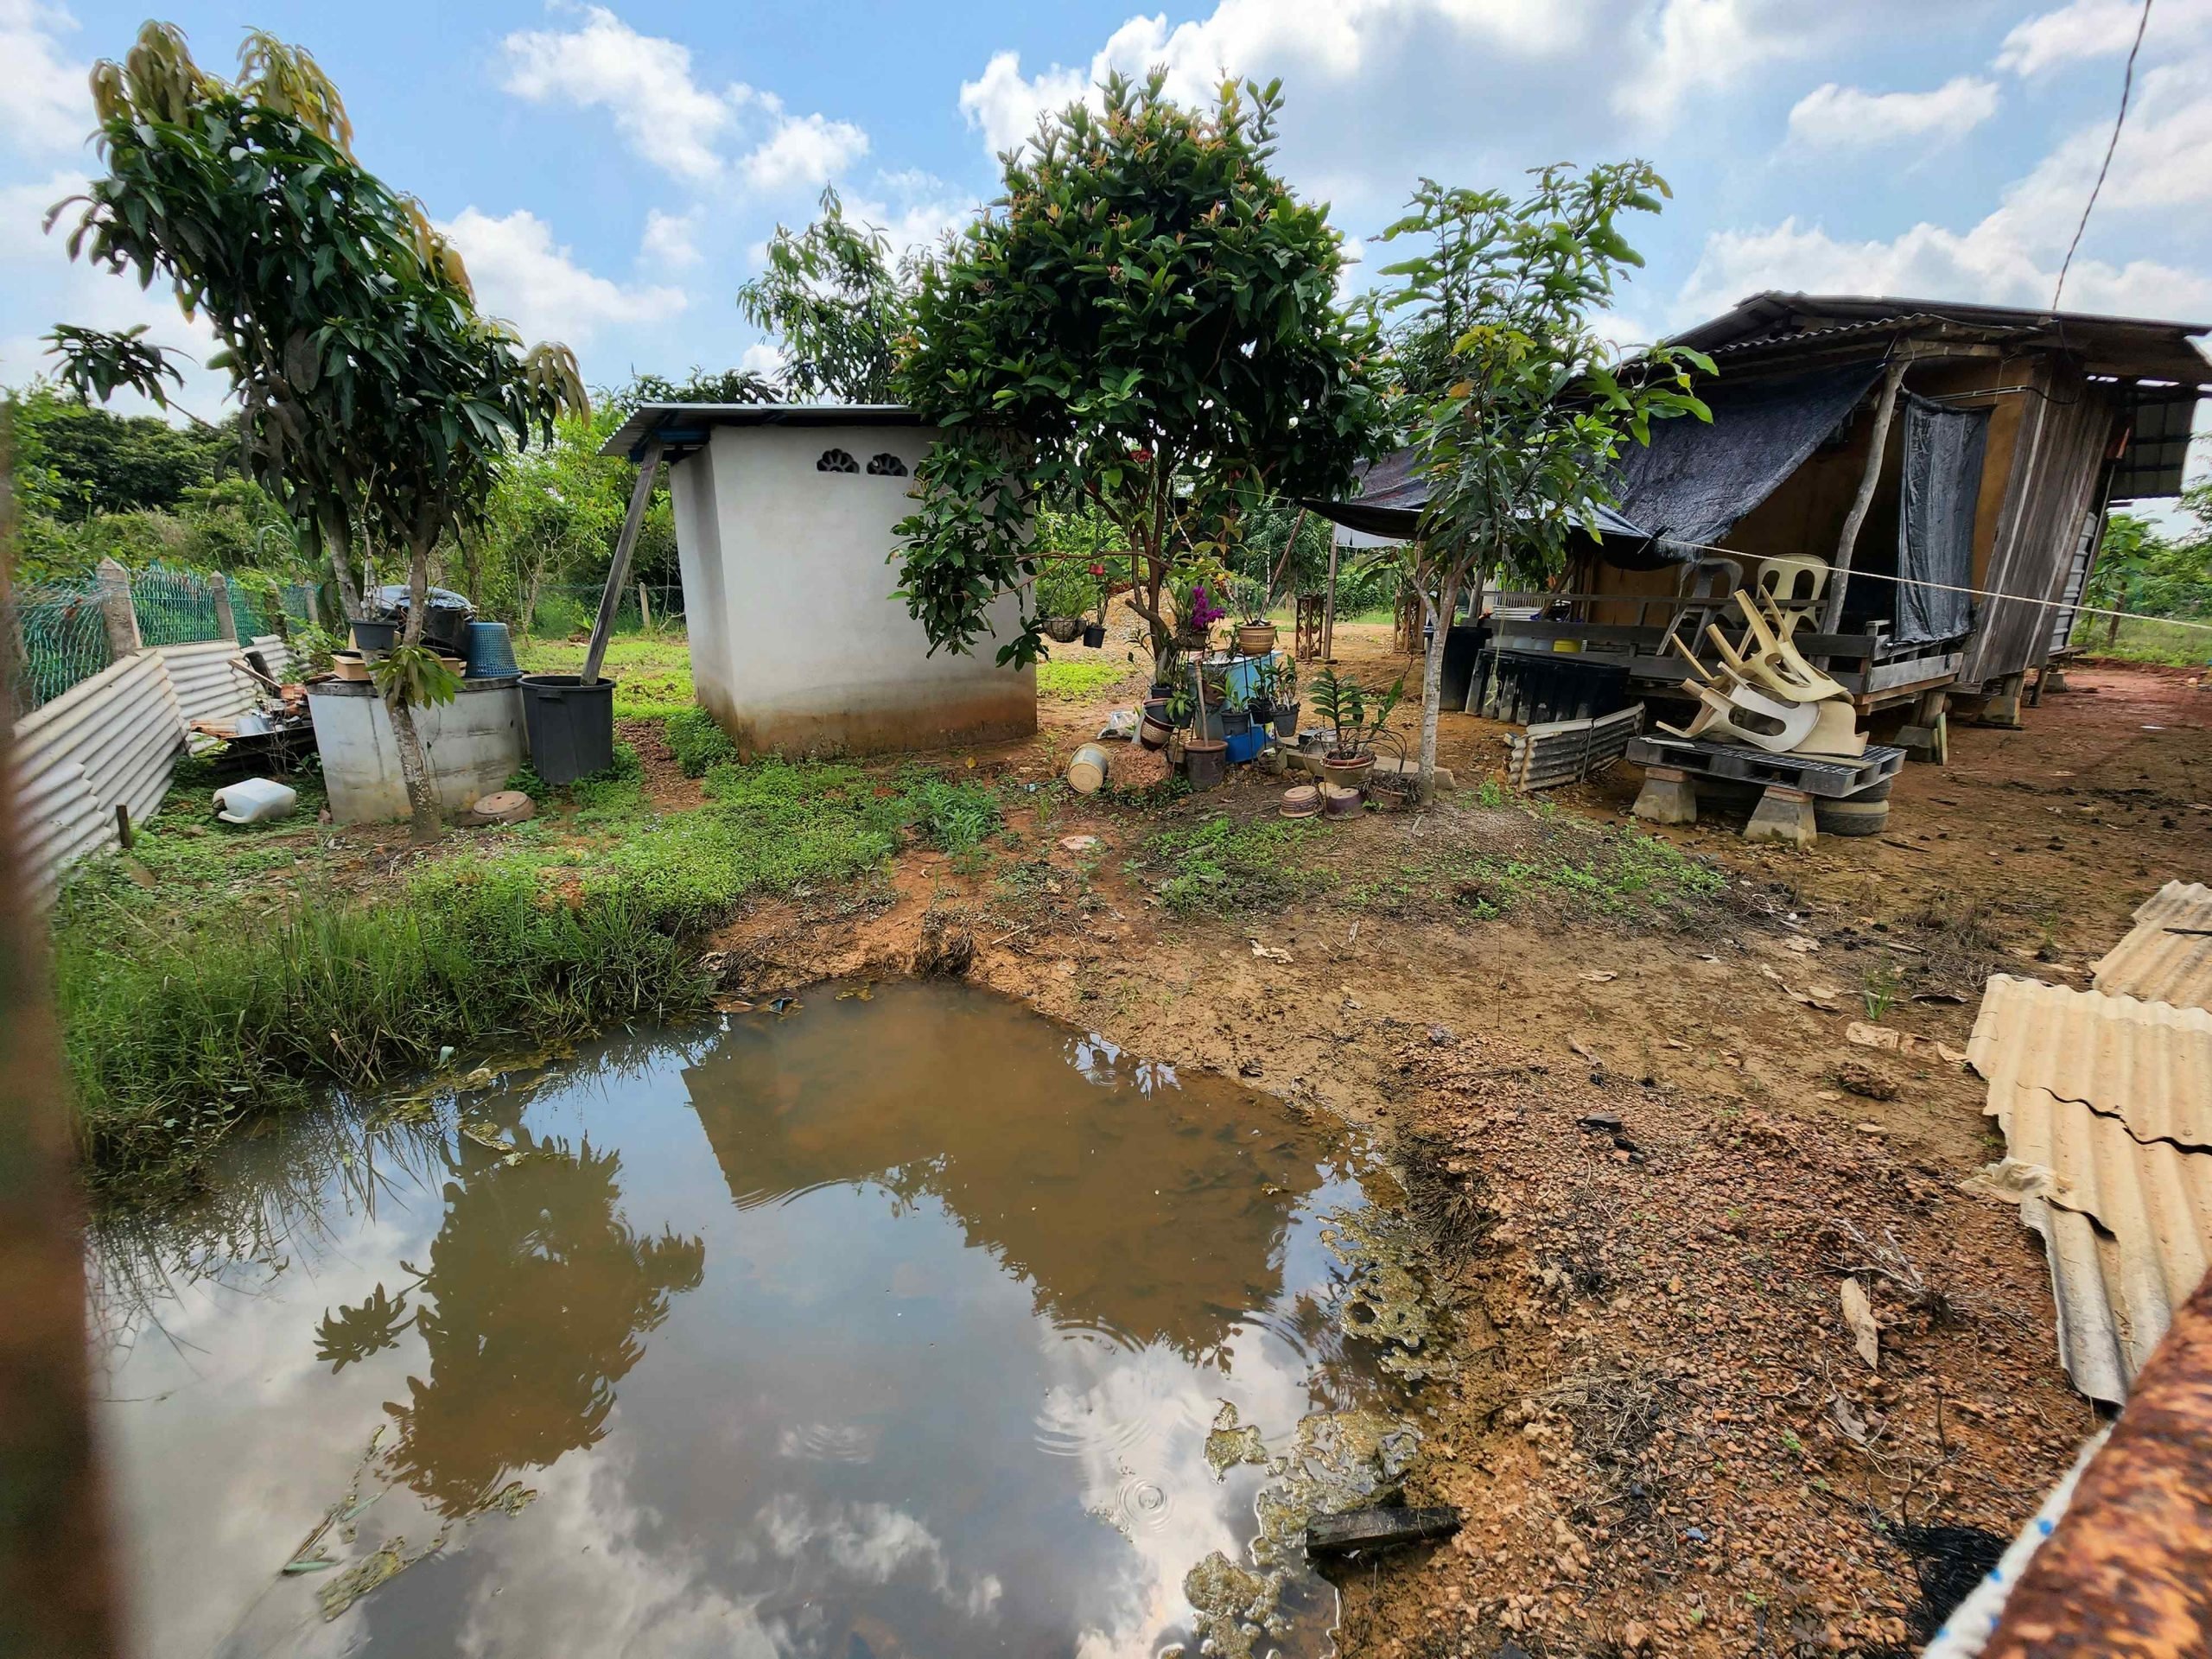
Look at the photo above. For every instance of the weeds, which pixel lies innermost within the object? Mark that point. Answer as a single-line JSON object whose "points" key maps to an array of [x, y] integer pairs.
{"points": [[953, 818], [1882, 986], [697, 742], [182, 1021], [1223, 867]]}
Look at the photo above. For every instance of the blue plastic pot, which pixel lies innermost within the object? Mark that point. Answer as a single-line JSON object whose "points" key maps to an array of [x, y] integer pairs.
{"points": [[491, 652], [1245, 745]]}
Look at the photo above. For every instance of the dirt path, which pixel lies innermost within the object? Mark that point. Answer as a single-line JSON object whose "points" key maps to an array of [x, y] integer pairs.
{"points": [[1631, 1133]]}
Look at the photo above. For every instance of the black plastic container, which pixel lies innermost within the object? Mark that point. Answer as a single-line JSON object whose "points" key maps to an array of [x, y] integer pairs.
{"points": [[1526, 687], [569, 725], [370, 634]]}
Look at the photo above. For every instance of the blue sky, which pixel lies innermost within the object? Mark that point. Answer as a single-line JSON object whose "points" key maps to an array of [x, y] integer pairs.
{"points": [[611, 173]]}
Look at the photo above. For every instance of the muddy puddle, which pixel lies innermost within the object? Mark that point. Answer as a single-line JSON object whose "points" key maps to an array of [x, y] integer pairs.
{"points": [[907, 1323]]}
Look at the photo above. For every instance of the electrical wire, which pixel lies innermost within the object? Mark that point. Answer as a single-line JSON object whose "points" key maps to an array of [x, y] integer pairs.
{"points": [[2126, 87]]}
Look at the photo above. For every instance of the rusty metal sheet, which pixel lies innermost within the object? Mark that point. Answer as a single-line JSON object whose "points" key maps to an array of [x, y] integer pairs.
{"points": [[2149, 1063], [2099, 1097], [2167, 957], [2127, 1569]]}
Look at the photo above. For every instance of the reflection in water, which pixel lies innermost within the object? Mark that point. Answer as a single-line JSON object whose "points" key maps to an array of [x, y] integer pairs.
{"points": [[892, 1328], [537, 1293]]}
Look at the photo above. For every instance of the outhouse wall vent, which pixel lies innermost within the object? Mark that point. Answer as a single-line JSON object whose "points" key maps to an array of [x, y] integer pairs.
{"points": [[836, 461], [887, 465]]}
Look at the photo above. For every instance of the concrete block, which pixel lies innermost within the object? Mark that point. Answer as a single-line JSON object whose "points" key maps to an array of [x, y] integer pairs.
{"points": [[1931, 742], [1784, 815], [1667, 797], [1387, 766]]}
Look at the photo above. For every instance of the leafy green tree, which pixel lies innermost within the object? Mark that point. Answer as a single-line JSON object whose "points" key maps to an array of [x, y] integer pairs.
{"points": [[97, 461], [1518, 407], [832, 295], [1146, 317], [372, 392], [2140, 571]]}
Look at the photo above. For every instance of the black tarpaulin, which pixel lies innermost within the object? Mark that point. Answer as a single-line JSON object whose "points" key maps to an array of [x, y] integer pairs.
{"points": [[1941, 481], [1393, 494], [1693, 482]]}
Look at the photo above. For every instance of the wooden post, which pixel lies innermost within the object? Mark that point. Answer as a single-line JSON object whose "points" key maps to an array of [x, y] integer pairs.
{"points": [[1840, 571], [1329, 608], [618, 572], [644, 611], [123, 639], [226, 620]]}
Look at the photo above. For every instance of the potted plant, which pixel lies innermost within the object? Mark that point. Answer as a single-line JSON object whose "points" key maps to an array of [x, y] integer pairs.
{"points": [[1094, 634], [1207, 717], [1206, 755], [1236, 713], [1182, 708], [1286, 696], [1353, 723], [1255, 636], [1262, 700]]}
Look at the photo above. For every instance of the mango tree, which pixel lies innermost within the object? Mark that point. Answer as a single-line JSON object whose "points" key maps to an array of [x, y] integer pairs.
{"points": [[373, 394], [1148, 318], [1517, 405]]}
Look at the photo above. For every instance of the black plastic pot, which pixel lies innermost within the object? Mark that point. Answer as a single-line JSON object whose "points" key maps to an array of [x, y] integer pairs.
{"points": [[1235, 722], [372, 635], [1287, 721], [1263, 710], [1205, 763], [1094, 634], [569, 725]]}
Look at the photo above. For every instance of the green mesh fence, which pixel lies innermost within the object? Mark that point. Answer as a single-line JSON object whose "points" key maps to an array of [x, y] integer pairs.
{"points": [[253, 610], [174, 607], [296, 601], [64, 638]]}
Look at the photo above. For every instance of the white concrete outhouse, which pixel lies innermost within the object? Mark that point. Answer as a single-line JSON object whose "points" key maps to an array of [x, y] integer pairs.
{"points": [[783, 530]]}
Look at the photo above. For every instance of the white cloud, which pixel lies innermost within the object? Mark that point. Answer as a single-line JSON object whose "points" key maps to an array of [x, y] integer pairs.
{"points": [[1847, 118], [2162, 164], [671, 240], [761, 358], [807, 151], [1984, 265], [645, 82], [1703, 46], [520, 274], [47, 106], [2092, 28], [1330, 39]]}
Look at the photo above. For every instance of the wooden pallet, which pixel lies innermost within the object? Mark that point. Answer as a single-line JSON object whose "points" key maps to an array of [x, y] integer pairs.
{"points": [[1827, 776]]}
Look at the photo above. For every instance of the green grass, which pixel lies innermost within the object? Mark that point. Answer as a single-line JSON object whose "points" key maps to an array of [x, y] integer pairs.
{"points": [[651, 671], [696, 741], [1220, 866], [953, 818], [2176, 645], [183, 1019], [1071, 681]]}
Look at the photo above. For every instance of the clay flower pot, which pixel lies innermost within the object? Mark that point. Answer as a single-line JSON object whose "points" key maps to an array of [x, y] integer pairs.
{"points": [[1155, 729], [1348, 774], [1256, 638]]}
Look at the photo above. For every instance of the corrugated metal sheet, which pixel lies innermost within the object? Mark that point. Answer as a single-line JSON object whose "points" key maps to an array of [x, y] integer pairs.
{"points": [[2167, 957], [273, 650], [2149, 1063], [2099, 1097], [110, 741], [211, 679]]}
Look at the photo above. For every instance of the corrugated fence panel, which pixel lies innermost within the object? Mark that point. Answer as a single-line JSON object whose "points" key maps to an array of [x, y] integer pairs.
{"points": [[111, 739], [211, 680], [273, 650]]}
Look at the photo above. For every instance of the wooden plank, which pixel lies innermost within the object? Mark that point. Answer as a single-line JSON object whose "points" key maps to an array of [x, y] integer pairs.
{"points": [[1366, 1530], [610, 601]]}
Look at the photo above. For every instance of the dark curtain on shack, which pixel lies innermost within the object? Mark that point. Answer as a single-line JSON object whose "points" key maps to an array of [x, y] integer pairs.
{"points": [[1941, 481], [1693, 482]]}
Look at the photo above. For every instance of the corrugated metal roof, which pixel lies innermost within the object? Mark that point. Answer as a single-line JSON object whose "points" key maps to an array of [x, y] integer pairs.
{"points": [[667, 419], [2147, 1063], [2167, 956], [2101, 1099]]}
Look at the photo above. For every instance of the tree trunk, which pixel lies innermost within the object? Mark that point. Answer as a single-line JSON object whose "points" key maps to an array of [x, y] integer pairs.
{"points": [[337, 532], [1431, 674], [424, 823]]}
